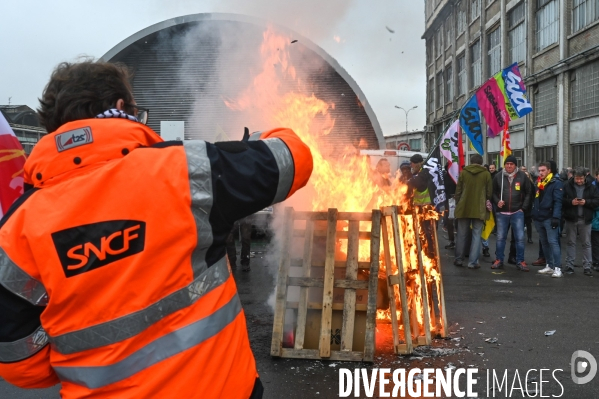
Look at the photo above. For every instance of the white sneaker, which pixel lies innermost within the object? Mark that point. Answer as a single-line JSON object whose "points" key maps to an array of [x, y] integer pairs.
{"points": [[546, 270], [557, 273]]}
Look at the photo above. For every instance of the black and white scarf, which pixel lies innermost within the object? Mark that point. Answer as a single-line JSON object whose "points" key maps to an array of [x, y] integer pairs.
{"points": [[116, 113]]}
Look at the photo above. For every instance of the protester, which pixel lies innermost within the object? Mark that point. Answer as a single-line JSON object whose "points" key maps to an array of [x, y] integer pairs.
{"points": [[450, 187], [546, 213], [116, 252], [382, 173], [423, 188], [474, 189], [541, 261], [595, 240], [580, 200], [492, 170], [528, 212], [406, 171], [588, 177], [512, 193], [243, 228]]}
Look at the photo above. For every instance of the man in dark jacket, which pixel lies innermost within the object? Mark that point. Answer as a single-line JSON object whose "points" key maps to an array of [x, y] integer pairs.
{"points": [[512, 193], [546, 213], [423, 188], [473, 190], [581, 198]]}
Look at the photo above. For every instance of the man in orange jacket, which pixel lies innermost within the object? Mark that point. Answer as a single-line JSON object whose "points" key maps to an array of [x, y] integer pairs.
{"points": [[113, 280]]}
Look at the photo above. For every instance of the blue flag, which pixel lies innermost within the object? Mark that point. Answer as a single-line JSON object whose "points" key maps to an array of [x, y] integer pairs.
{"points": [[470, 123]]}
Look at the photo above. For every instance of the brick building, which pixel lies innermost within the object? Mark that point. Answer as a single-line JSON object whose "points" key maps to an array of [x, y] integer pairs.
{"points": [[556, 44]]}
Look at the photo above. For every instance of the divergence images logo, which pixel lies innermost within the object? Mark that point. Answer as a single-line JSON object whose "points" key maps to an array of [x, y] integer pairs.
{"points": [[90, 246], [583, 362], [74, 138]]}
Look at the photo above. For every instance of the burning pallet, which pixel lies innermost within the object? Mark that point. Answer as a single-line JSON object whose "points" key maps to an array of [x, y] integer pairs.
{"points": [[341, 323], [413, 259], [311, 263]]}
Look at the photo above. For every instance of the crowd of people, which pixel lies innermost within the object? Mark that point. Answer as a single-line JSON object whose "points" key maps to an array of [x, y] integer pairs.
{"points": [[513, 198]]}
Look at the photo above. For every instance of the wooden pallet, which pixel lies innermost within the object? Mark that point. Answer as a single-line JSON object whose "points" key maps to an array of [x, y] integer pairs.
{"points": [[328, 283], [393, 241]]}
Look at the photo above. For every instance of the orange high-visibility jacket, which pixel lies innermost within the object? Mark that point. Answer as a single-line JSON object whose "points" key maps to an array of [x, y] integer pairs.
{"points": [[113, 279]]}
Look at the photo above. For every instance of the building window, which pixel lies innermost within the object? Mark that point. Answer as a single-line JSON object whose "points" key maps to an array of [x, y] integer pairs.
{"points": [[462, 84], [585, 91], [517, 33], [584, 12], [544, 154], [545, 103], [476, 71], [431, 95], [448, 83], [474, 9], [415, 144], [429, 51], [440, 90], [586, 155], [494, 54], [438, 43], [448, 31], [547, 23], [461, 18]]}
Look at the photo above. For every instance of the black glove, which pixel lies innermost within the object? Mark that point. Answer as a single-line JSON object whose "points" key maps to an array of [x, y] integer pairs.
{"points": [[554, 223], [246, 134]]}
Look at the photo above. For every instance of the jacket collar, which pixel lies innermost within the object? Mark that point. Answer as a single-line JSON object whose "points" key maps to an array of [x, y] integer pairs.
{"points": [[84, 144]]}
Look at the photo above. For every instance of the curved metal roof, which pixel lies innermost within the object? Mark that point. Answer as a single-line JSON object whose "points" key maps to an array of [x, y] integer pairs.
{"points": [[172, 72]]}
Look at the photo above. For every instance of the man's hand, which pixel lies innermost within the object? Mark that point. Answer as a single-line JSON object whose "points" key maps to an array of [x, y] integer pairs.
{"points": [[581, 202], [554, 223], [500, 204], [575, 201]]}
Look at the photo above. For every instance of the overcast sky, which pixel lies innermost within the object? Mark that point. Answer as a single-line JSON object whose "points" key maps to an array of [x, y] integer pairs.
{"points": [[389, 67]]}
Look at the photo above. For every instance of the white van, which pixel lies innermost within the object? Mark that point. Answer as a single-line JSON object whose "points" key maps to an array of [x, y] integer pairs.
{"points": [[395, 157]]}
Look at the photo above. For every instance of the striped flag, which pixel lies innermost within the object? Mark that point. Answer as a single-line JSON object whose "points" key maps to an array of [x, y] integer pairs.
{"points": [[12, 159], [506, 148]]}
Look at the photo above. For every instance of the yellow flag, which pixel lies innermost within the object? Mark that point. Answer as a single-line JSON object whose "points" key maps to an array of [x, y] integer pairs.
{"points": [[489, 225]]}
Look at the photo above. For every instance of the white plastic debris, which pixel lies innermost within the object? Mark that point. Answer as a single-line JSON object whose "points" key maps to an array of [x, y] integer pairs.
{"points": [[333, 365], [503, 281], [491, 340], [551, 332]]}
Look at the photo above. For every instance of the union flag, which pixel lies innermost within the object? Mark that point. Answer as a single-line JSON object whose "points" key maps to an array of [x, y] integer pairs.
{"points": [[12, 159]]}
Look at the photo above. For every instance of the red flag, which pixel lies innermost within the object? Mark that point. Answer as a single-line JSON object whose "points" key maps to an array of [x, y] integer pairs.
{"points": [[12, 159], [506, 147]]}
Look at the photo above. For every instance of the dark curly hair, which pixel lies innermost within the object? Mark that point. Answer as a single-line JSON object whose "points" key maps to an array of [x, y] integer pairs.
{"points": [[83, 90]]}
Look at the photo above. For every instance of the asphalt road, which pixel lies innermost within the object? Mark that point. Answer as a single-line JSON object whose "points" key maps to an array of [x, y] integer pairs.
{"points": [[517, 312]]}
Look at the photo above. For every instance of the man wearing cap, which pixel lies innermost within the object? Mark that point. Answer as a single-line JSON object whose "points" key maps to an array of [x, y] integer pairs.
{"points": [[512, 194]]}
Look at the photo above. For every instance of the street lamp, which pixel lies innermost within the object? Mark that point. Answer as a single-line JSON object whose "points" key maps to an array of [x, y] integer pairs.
{"points": [[407, 112]]}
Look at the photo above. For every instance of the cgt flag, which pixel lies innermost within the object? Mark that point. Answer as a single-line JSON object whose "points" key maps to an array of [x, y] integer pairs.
{"points": [[12, 159], [433, 166]]}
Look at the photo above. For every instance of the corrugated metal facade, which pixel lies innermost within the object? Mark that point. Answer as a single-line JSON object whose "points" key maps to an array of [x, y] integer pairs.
{"points": [[186, 72]]}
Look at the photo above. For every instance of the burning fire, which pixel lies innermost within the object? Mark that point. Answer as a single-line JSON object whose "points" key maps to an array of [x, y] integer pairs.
{"points": [[343, 180]]}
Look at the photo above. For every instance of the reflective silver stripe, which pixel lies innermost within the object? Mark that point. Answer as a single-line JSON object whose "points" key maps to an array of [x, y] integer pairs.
{"points": [[17, 281], [23, 348], [200, 183], [286, 167], [130, 325], [169, 345]]}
